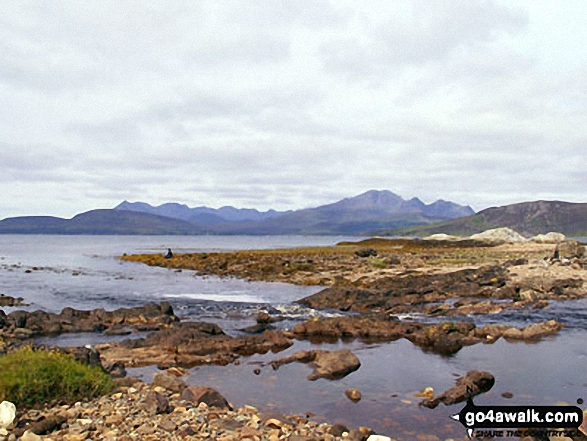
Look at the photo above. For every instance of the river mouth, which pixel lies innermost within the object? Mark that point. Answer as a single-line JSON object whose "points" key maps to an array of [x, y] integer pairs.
{"points": [[84, 274]]}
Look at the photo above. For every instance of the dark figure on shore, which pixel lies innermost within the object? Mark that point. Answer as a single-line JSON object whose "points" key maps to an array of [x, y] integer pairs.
{"points": [[169, 254], [556, 254]]}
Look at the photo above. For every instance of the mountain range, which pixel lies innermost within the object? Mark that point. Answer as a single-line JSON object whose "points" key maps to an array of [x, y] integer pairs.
{"points": [[369, 211]]}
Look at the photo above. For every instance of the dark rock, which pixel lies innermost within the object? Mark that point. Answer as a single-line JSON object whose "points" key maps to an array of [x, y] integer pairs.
{"points": [[366, 252], [361, 434], [47, 425], [515, 262], [149, 317], [85, 355], [444, 338], [116, 369], [202, 394], [118, 330], [411, 290], [263, 318], [258, 328], [472, 384], [332, 365], [192, 344], [338, 430]]}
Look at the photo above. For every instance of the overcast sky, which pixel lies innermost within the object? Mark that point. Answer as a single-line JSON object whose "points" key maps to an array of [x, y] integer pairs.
{"points": [[290, 104]]}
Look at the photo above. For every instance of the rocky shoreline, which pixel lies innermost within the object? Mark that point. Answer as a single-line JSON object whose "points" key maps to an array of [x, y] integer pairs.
{"points": [[140, 411], [400, 276], [369, 283]]}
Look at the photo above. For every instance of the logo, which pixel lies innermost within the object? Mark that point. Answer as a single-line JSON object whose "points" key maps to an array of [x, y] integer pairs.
{"points": [[483, 420]]}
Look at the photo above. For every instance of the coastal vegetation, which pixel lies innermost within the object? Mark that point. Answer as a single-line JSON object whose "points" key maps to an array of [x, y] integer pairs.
{"points": [[31, 378]]}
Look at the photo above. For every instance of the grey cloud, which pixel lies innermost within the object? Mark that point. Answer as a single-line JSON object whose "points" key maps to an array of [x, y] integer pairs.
{"points": [[250, 104], [435, 31]]}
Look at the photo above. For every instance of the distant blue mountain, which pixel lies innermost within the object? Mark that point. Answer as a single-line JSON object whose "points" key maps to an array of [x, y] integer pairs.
{"points": [[363, 213], [99, 222], [202, 215], [370, 211]]}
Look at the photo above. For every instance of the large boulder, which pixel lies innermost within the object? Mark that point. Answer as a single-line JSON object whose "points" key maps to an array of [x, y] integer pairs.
{"points": [[203, 394], [472, 384], [7, 414], [169, 382], [551, 237], [331, 365], [505, 235]]}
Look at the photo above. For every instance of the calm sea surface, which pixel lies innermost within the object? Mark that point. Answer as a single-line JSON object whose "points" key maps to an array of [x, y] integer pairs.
{"points": [[83, 272]]}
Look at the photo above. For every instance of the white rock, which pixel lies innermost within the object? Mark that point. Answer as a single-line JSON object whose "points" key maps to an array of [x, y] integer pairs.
{"points": [[7, 413], [378, 438], [551, 237], [499, 235], [442, 236]]}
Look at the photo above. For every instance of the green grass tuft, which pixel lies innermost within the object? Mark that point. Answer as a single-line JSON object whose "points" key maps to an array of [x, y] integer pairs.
{"points": [[32, 378]]}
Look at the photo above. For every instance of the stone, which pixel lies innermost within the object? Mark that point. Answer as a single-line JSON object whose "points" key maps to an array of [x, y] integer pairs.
{"points": [[116, 369], [176, 371], [472, 384], [378, 438], [361, 434], [207, 395], [366, 252], [48, 424], [353, 394], [263, 318], [156, 403], [506, 235], [534, 331], [274, 423], [427, 392], [551, 237], [7, 414], [168, 382], [168, 425], [30, 436], [334, 364], [331, 365], [339, 430]]}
